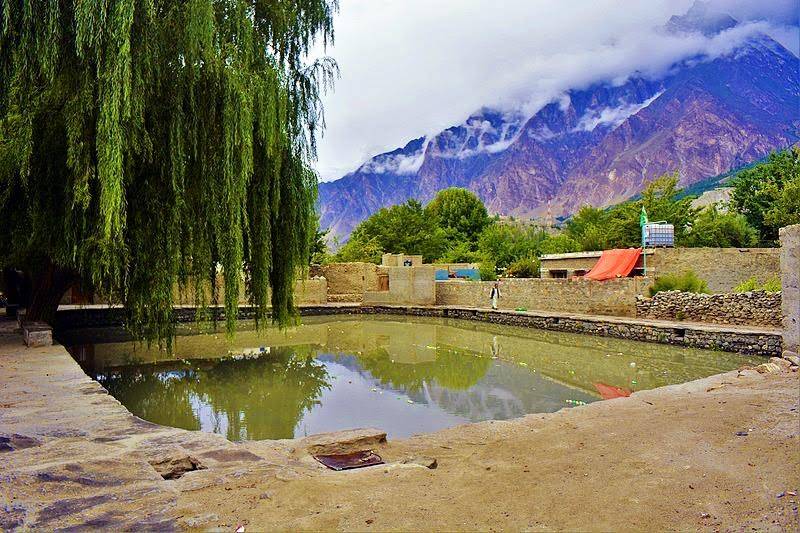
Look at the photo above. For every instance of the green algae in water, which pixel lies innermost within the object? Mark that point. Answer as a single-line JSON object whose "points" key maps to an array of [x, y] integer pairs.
{"points": [[333, 373]]}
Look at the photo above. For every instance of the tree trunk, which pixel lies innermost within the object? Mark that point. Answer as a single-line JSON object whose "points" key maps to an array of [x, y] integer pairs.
{"points": [[49, 287]]}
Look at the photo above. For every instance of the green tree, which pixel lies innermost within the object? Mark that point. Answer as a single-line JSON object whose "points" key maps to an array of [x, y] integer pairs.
{"points": [[461, 252], [360, 248], [460, 213], [404, 228], [506, 243], [144, 144], [768, 194], [618, 226], [318, 248], [717, 229]]}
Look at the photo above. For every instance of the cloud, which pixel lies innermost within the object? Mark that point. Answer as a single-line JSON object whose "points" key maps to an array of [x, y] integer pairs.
{"points": [[612, 116], [396, 163], [417, 67]]}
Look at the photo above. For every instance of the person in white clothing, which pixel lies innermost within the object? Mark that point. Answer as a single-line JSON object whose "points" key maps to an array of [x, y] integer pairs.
{"points": [[495, 294]]}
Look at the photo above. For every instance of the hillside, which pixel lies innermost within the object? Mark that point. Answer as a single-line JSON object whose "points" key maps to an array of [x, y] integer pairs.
{"points": [[597, 145]]}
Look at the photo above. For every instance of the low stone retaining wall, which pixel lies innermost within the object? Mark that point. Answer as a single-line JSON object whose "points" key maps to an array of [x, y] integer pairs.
{"points": [[615, 297], [695, 335], [757, 308], [750, 342]]}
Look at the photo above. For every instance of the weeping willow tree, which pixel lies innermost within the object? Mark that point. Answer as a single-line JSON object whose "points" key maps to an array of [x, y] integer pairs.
{"points": [[149, 144]]}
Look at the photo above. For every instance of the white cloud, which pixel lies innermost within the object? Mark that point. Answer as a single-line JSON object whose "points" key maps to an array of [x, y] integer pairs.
{"points": [[612, 116], [416, 67], [396, 163]]}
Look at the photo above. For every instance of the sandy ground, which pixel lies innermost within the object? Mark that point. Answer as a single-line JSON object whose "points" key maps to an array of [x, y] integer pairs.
{"points": [[663, 459]]}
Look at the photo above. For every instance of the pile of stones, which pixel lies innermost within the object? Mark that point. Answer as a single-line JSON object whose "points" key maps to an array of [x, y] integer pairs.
{"points": [[756, 308]]}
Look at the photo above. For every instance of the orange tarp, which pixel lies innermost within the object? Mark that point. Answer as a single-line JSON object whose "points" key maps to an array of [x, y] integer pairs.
{"points": [[609, 392], [614, 263]]}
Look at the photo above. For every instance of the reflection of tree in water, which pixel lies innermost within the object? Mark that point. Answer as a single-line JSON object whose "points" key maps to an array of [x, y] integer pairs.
{"points": [[258, 398], [158, 396], [452, 368]]}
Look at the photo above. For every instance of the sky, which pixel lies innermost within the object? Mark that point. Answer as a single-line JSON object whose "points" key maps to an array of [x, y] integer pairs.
{"points": [[415, 67]]}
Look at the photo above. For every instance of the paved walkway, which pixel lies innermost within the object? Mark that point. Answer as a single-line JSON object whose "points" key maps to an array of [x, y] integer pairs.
{"points": [[71, 455]]}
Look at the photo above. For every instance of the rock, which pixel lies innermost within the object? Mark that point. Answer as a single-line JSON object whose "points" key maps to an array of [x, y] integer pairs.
{"points": [[197, 521], [785, 364], [768, 368], [342, 442], [37, 334], [15, 441], [791, 357], [427, 462], [173, 466]]}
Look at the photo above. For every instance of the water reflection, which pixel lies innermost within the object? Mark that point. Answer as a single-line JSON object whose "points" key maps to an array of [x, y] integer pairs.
{"points": [[400, 374]]}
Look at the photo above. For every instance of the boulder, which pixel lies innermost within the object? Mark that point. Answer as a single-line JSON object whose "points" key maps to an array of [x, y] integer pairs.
{"points": [[427, 462], [341, 442], [769, 368], [785, 364]]}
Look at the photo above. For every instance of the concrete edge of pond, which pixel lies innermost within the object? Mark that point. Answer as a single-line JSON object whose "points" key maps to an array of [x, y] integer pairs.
{"points": [[765, 342], [74, 456]]}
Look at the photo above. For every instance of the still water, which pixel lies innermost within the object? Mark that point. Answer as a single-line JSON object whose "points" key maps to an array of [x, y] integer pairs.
{"points": [[403, 375]]}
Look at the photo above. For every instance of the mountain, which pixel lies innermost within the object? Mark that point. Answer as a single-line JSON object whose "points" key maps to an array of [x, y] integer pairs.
{"points": [[597, 145]]}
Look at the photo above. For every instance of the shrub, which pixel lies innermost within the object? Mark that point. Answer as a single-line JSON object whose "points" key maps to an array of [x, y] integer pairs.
{"points": [[527, 267], [686, 282], [771, 285], [488, 270]]}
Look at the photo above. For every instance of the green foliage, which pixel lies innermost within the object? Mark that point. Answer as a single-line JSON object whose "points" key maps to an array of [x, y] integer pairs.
{"points": [[768, 194], [686, 282], [461, 252], [144, 144], [404, 228], [618, 226], [716, 229], [360, 249], [526, 267], [752, 284], [559, 244], [505, 243], [460, 213], [318, 249], [488, 270]]}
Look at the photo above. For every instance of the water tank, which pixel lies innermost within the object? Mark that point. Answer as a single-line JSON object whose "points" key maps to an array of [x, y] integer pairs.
{"points": [[658, 234]]}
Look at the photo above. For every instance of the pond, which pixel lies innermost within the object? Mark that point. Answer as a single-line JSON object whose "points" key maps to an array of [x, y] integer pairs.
{"points": [[401, 374]]}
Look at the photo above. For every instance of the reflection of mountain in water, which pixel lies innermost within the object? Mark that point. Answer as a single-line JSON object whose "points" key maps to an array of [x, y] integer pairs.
{"points": [[494, 390], [507, 391]]}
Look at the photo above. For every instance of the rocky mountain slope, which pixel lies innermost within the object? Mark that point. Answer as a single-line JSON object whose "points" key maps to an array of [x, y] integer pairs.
{"points": [[598, 145]]}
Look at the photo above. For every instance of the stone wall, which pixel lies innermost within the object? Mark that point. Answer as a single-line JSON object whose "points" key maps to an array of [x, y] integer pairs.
{"points": [[407, 285], [756, 308], [790, 286], [614, 297], [692, 335], [308, 291], [722, 268], [348, 278]]}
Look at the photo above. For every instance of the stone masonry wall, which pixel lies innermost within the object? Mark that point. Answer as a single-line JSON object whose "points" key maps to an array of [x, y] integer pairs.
{"points": [[348, 278], [722, 268], [790, 285], [614, 297], [756, 308]]}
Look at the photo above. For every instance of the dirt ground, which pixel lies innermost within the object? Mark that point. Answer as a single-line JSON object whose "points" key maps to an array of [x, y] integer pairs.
{"points": [[669, 458]]}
